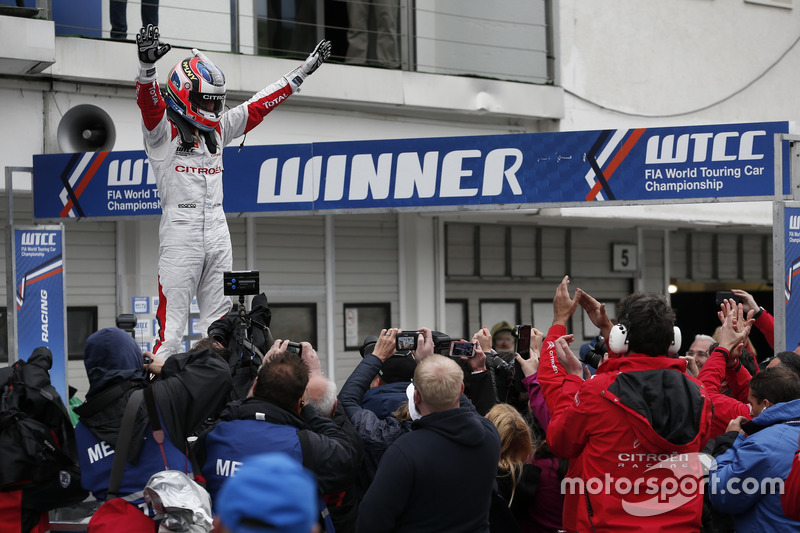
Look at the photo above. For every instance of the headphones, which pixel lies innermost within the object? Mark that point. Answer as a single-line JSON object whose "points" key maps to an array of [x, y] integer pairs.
{"points": [[618, 340]]}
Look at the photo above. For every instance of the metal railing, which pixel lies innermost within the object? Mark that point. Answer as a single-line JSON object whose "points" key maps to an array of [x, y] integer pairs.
{"points": [[512, 40]]}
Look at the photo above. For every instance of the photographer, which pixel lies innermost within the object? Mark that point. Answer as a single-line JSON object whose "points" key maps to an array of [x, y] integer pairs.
{"points": [[189, 388], [438, 477], [387, 385], [376, 432], [273, 418]]}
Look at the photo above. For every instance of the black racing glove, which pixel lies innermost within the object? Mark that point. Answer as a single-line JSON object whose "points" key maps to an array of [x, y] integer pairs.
{"points": [[150, 50], [320, 54]]}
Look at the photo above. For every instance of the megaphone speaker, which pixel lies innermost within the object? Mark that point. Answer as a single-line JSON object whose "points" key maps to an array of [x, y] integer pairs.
{"points": [[86, 128]]}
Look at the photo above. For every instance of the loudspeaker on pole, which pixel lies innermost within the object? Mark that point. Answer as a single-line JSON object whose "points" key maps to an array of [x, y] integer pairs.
{"points": [[86, 128]]}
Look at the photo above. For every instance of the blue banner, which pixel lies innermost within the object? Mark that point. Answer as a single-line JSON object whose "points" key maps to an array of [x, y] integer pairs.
{"points": [[791, 227], [481, 172], [40, 304]]}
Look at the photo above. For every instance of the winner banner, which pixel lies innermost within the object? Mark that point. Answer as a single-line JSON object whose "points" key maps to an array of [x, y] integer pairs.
{"points": [[581, 168]]}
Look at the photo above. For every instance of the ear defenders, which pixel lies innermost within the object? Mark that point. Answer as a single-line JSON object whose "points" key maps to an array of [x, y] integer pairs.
{"points": [[618, 340]]}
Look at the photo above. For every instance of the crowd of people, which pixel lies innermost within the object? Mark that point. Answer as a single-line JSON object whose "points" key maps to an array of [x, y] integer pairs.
{"points": [[417, 440]]}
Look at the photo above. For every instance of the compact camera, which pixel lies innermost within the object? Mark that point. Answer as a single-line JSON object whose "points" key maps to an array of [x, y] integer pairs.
{"points": [[406, 340], [294, 347]]}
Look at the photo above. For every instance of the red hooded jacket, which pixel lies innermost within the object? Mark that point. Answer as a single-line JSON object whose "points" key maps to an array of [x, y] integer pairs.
{"points": [[635, 430], [790, 499]]}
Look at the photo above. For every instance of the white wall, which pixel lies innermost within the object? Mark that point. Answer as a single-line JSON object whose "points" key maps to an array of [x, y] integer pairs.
{"points": [[625, 63]]}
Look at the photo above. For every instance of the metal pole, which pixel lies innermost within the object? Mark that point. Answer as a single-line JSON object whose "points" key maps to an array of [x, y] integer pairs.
{"points": [[11, 307], [439, 273], [667, 265], [235, 26], [640, 255], [779, 205], [330, 295]]}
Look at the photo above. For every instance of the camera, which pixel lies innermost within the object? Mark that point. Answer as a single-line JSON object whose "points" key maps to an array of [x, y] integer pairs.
{"points": [[241, 282], [462, 349], [294, 347], [406, 340], [441, 342], [593, 356]]}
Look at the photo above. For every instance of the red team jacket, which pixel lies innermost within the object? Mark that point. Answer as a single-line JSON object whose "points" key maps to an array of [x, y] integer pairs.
{"points": [[632, 434]]}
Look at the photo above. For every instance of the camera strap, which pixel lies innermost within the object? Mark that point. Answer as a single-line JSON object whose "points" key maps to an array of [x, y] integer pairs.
{"points": [[123, 442], [100, 401]]}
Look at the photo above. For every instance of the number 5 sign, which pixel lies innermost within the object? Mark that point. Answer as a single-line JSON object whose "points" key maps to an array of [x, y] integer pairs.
{"points": [[623, 258]]}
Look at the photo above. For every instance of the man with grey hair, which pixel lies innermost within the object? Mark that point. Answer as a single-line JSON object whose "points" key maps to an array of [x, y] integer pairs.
{"points": [[701, 349], [438, 477], [321, 393]]}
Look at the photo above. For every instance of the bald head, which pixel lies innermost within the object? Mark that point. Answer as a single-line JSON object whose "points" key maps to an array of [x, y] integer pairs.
{"points": [[438, 381]]}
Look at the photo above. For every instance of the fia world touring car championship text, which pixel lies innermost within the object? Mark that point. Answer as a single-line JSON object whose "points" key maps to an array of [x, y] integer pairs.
{"points": [[694, 178], [133, 200]]}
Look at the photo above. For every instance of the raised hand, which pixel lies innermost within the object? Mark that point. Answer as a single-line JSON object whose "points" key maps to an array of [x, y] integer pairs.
{"points": [[150, 50], [565, 356], [320, 54], [563, 306]]}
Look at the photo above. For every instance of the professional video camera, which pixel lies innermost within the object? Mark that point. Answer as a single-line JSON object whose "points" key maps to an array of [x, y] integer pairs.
{"points": [[245, 334]]}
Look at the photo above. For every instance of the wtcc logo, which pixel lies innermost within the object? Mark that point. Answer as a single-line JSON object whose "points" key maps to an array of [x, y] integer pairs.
{"points": [[671, 482]]}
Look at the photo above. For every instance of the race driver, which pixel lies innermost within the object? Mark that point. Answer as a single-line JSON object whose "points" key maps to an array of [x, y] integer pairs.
{"points": [[184, 137]]}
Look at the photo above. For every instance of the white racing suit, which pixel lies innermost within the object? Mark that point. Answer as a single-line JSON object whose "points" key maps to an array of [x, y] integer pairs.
{"points": [[194, 243]]}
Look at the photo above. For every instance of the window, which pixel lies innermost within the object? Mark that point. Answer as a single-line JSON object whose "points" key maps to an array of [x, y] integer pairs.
{"points": [[81, 322], [363, 320], [457, 319], [495, 311], [293, 321]]}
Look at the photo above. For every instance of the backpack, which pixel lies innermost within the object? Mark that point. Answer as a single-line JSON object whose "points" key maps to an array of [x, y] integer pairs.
{"points": [[37, 440]]}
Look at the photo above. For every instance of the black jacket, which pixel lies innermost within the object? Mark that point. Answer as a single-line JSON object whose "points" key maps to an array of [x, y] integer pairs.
{"points": [[191, 387], [438, 478]]}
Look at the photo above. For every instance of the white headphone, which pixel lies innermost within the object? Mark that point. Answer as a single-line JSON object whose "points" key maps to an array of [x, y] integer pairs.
{"points": [[618, 340]]}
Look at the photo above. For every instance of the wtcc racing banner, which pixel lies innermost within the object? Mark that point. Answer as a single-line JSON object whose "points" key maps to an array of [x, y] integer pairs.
{"points": [[481, 172], [792, 279], [39, 284]]}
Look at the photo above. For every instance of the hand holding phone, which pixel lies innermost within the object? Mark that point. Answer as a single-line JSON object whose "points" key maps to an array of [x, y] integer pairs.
{"points": [[462, 349], [524, 340], [722, 296]]}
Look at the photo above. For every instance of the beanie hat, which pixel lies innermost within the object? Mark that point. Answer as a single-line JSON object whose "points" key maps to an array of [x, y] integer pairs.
{"points": [[399, 367], [270, 492]]}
